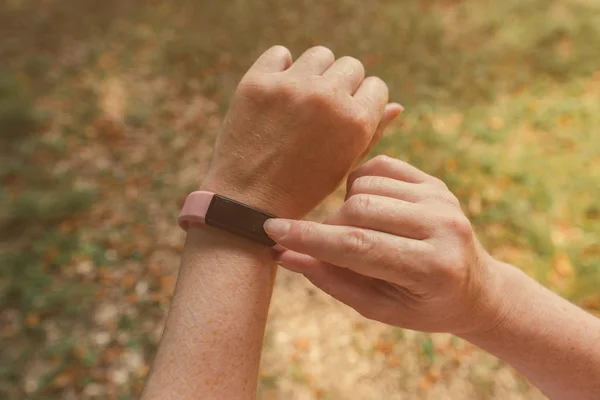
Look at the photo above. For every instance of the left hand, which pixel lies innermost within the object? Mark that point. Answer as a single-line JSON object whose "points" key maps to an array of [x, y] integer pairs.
{"points": [[294, 130], [399, 250]]}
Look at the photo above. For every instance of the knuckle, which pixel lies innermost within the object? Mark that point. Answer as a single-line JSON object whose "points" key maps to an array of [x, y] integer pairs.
{"points": [[353, 62], [362, 184], [321, 51], [302, 231], [279, 49], [378, 93], [459, 225], [317, 98], [377, 81], [356, 241], [357, 205], [379, 164], [256, 86], [439, 183], [382, 162]]}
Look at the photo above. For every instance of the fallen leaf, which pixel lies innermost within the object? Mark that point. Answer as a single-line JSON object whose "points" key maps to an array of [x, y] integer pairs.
{"points": [[32, 320], [128, 281], [132, 298], [424, 384], [591, 303], [562, 265], [143, 371], [451, 165], [50, 255], [64, 379], [167, 284], [394, 361], [302, 344], [496, 123], [384, 346]]}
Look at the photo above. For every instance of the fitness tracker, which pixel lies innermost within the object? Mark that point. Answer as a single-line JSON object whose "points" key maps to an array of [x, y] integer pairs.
{"points": [[221, 212]]}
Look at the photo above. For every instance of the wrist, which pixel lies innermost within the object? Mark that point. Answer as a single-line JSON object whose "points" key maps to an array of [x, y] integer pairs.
{"points": [[501, 296], [203, 238], [261, 197]]}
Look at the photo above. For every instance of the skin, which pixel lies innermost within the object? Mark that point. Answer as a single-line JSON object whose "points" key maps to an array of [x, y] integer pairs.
{"points": [[293, 131], [401, 251]]}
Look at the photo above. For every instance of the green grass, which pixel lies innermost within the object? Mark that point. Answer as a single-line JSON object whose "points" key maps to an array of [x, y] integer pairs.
{"points": [[501, 98]]}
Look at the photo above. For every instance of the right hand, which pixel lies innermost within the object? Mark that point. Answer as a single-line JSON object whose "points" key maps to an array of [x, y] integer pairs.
{"points": [[295, 129], [400, 251]]}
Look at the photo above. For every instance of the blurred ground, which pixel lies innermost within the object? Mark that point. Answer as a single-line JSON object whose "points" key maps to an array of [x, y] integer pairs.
{"points": [[108, 112]]}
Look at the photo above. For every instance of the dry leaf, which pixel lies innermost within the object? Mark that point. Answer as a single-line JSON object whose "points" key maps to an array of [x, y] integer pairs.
{"points": [[424, 384], [496, 123], [451, 165], [32, 320], [128, 281], [384, 346], [63, 379], [394, 361], [302, 344], [562, 265], [167, 284]]}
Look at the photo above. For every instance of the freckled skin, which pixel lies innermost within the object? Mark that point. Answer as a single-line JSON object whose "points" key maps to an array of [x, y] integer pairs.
{"points": [[212, 341]]}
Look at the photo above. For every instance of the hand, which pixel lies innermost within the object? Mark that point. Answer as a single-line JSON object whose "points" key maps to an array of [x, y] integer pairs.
{"points": [[399, 250], [294, 130]]}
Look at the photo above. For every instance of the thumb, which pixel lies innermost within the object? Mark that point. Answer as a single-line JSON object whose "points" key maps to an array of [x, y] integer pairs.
{"points": [[390, 113]]}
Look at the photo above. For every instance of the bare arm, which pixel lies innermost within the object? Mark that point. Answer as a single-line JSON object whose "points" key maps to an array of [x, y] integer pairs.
{"points": [[291, 134], [551, 341], [211, 345], [401, 251]]}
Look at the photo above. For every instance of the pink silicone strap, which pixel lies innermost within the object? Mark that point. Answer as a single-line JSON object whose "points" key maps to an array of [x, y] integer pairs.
{"points": [[195, 208], [194, 212]]}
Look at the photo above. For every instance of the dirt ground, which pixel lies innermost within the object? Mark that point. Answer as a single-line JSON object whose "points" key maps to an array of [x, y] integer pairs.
{"points": [[108, 113]]}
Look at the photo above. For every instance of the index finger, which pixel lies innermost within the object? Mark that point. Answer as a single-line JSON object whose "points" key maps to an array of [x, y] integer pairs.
{"points": [[370, 253], [275, 59]]}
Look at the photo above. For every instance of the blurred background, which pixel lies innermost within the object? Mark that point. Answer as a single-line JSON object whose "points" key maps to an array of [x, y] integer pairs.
{"points": [[108, 112]]}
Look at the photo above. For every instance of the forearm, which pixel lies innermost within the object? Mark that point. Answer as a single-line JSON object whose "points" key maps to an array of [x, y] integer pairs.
{"points": [[551, 341], [212, 341]]}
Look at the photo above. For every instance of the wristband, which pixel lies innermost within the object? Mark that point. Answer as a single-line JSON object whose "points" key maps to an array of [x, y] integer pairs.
{"points": [[221, 212]]}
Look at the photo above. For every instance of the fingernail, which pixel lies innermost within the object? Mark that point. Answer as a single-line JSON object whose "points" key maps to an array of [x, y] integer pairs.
{"points": [[400, 106], [277, 228]]}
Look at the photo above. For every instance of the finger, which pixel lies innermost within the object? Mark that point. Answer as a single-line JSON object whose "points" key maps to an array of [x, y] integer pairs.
{"points": [[372, 95], [313, 61], [275, 59], [346, 73], [376, 254], [384, 214], [380, 186], [389, 167], [390, 113], [296, 262], [356, 291]]}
